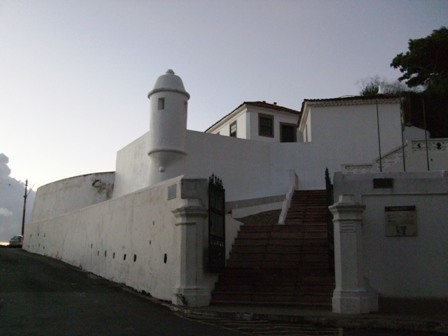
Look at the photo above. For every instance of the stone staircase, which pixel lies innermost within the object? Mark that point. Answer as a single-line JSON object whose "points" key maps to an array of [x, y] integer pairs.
{"points": [[281, 264]]}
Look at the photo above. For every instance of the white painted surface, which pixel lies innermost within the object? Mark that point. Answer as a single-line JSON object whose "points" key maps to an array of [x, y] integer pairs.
{"points": [[350, 295], [141, 226], [140, 221], [240, 117], [342, 134], [404, 267], [348, 126], [249, 169], [168, 125], [71, 194], [246, 117]]}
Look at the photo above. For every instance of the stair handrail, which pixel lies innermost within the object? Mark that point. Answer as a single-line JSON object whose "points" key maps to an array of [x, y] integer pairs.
{"points": [[287, 201]]}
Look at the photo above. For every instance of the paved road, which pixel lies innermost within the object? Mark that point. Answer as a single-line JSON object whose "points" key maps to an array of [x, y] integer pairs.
{"points": [[42, 296]]}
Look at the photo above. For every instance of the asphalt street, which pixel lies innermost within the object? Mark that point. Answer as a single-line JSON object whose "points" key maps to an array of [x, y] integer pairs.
{"points": [[42, 296]]}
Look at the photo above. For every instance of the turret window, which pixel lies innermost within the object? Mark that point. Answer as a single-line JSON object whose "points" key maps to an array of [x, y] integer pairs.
{"points": [[161, 104]]}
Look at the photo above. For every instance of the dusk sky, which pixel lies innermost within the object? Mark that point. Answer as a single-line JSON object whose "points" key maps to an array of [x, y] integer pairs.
{"points": [[74, 74]]}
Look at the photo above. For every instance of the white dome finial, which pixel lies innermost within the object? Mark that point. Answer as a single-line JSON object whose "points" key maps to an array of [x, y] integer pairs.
{"points": [[169, 82]]}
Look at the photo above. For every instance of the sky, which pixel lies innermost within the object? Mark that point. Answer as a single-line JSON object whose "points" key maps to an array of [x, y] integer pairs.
{"points": [[74, 74]]}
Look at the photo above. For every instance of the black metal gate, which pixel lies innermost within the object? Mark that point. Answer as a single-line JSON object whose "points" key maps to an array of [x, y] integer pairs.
{"points": [[216, 225]]}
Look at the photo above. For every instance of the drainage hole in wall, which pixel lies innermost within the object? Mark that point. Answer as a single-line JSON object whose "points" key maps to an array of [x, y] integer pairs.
{"points": [[105, 253], [98, 253], [91, 246], [124, 257], [39, 245], [149, 242], [165, 258], [153, 222], [135, 257], [113, 255]]}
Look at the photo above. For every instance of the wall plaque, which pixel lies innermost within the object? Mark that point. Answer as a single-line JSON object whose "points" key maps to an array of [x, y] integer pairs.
{"points": [[383, 183], [401, 221]]}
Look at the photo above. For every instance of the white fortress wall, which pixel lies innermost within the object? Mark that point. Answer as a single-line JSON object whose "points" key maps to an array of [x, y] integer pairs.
{"points": [[249, 169], [70, 194], [135, 239], [243, 165], [132, 167], [412, 266]]}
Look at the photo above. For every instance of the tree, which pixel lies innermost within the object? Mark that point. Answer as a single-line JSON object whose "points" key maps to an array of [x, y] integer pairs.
{"points": [[426, 62], [373, 86], [426, 65]]}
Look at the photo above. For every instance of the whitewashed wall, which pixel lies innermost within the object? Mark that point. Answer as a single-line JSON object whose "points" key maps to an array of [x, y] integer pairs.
{"points": [[418, 158], [249, 169], [403, 267], [132, 167], [135, 239], [73, 193], [242, 122], [353, 128]]}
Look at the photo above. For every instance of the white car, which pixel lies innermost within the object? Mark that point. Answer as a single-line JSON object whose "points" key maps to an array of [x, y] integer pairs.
{"points": [[16, 241]]}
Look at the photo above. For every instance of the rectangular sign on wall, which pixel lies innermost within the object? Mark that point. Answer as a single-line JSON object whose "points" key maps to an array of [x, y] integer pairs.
{"points": [[401, 221]]}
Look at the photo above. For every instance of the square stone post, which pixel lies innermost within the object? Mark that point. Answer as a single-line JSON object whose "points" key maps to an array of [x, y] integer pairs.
{"points": [[350, 295], [190, 216]]}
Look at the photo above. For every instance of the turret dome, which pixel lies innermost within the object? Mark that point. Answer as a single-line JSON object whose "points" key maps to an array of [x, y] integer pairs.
{"points": [[169, 82]]}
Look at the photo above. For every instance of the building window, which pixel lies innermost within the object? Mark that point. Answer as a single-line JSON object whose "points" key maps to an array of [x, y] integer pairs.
{"points": [[161, 104], [266, 125], [233, 129], [287, 133]]}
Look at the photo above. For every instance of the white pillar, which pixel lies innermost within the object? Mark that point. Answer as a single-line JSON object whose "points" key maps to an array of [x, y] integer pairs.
{"points": [[190, 219], [350, 295]]}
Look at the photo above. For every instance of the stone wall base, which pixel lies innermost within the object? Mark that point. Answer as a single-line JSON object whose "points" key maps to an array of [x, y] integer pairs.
{"points": [[191, 296], [354, 302]]}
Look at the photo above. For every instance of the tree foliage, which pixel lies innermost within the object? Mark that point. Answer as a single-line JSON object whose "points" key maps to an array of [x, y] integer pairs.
{"points": [[426, 62], [373, 86], [425, 65]]}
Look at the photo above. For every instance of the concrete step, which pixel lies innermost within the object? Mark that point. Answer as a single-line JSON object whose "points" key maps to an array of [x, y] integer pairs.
{"points": [[301, 247], [320, 256], [271, 297]]}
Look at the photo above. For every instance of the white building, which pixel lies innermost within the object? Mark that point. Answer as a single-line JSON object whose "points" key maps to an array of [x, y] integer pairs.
{"points": [[149, 232], [259, 121]]}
